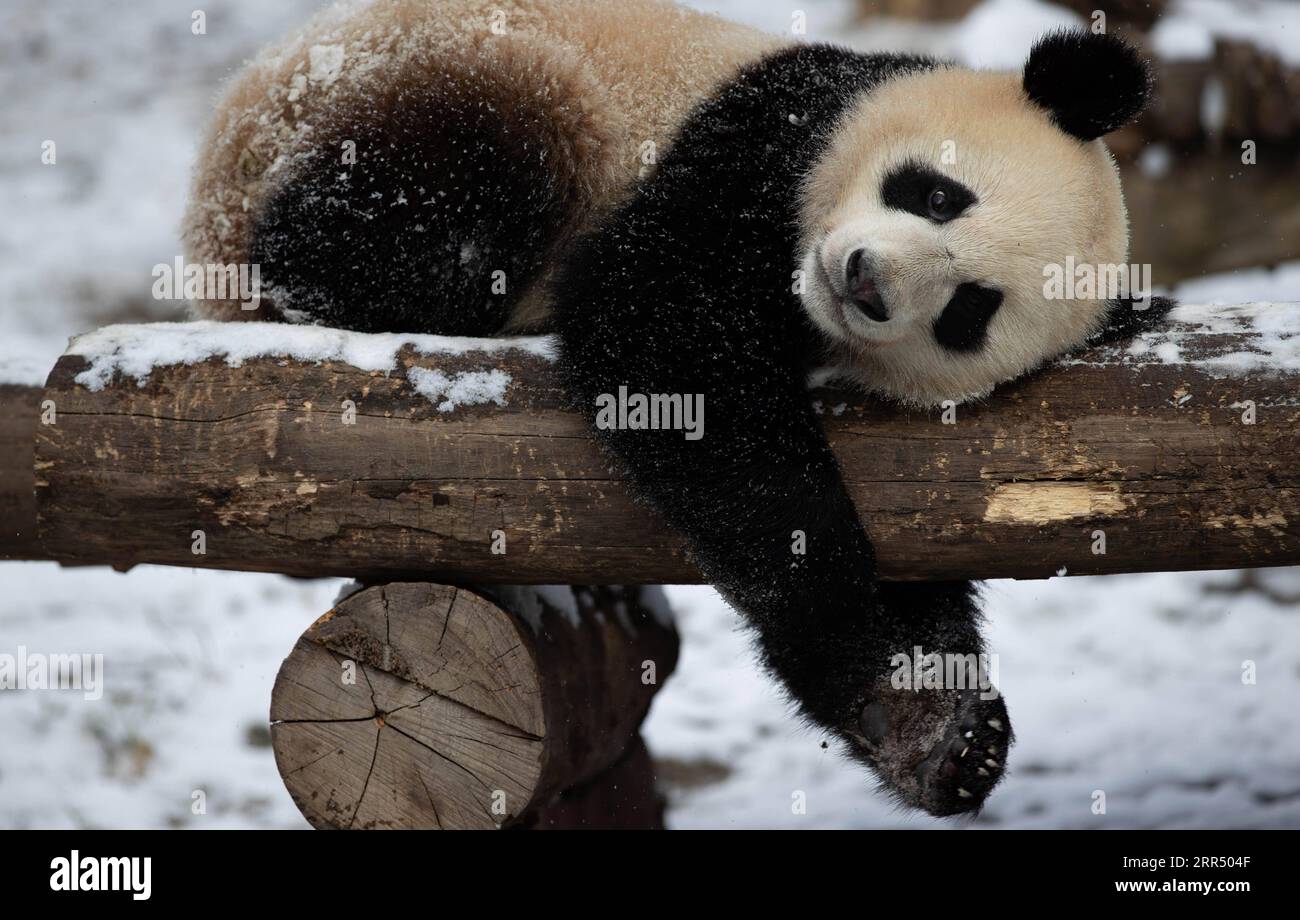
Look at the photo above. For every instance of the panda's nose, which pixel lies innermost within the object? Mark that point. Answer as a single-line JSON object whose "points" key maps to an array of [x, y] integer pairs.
{"points": [[860, 287]]}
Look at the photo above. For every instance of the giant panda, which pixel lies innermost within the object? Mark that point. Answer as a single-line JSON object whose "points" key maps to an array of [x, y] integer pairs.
{"points": [[700, 209]]}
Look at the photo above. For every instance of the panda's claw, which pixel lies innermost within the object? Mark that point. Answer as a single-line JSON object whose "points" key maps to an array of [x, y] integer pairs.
{"points": [[920, 745]]}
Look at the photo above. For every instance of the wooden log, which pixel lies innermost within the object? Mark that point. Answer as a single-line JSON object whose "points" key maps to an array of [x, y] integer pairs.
{"points": [[1150, 445], [1184, 236], [415, 705], [19, 416]]}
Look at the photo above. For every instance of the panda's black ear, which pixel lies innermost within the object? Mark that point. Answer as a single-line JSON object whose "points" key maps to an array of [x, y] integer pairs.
{"points": [[1092, 84], [1128, 317]]}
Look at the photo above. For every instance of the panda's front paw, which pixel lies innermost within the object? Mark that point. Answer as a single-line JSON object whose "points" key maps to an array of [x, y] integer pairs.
{"points": [[939, 750]]}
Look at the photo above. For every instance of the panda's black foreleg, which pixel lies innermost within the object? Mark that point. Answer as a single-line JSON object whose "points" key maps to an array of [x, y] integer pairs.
{"points": [[766, 516]]}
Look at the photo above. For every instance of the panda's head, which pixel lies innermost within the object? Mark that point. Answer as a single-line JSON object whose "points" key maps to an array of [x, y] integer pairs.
{"points": [[942, 197]]}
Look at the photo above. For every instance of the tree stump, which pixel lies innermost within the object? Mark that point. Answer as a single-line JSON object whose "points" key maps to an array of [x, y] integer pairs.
{"points": [[415, 705]]}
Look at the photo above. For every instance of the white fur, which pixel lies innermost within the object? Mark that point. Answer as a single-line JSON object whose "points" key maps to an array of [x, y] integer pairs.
{"points": [[1042, 195]]}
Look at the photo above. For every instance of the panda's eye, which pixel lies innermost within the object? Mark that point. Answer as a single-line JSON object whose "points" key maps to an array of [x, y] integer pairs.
{"points": [[940, 205], [917, 189]]}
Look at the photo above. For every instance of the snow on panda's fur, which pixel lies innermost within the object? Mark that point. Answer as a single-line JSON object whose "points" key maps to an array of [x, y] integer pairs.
{"points": [[788, 216], [487, 133]]}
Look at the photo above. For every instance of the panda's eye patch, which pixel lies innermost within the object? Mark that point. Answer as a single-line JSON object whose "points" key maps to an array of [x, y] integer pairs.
{"points": [[919, 190], [963, 326]]}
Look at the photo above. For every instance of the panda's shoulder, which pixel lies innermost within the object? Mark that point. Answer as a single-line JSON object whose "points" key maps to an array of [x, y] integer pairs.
{"points": [[786, 102], [823, 72]]}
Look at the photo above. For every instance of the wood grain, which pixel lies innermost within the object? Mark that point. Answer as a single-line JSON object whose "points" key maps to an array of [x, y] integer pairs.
{"points": [[19, 414], [1149, 446]]}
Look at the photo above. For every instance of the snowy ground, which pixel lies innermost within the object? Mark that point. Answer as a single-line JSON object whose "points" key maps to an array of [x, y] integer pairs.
{"points": [[1129, 685]]}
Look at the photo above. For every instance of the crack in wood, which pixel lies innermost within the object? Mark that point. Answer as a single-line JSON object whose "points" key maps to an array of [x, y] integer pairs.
{"points": [[418, 681], [316, 760], [432, 416], [321, 721], [468, 772], [379, 733], [446, 619], [429, 796]]}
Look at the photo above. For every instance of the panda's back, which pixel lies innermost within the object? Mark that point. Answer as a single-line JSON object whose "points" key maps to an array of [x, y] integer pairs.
{"points": [[432, 161]]}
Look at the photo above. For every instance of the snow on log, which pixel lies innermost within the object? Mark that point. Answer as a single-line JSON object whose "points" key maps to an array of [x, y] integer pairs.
{"points": [[314, 452], [414, 705]]}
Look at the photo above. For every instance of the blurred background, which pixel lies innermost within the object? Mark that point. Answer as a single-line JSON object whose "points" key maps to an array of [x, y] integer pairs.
{"points": [[1127, 684]]}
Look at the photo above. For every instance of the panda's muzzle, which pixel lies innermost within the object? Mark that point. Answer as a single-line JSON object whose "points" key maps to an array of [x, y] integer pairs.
{"points": [[860, 287]]}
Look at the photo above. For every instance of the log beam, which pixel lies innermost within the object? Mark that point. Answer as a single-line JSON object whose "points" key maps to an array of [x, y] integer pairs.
{"points": [[462, 463]]}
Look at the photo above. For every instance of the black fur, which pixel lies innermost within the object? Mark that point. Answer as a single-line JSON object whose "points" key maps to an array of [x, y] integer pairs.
{"points": [[1092, 84], [687, 289], [444, 192], [964, 323], [908, 187], [1127, 318]]}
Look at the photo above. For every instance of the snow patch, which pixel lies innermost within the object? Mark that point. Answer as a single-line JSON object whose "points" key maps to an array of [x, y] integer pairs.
{"points": [[1169, 352], [1182, 38], [23, 366], [1244, 285], [347, 590], [325, 63], [1187, 31], [1274, 330], [136, 350], [998, 34], [530, 602], [467, 388]]}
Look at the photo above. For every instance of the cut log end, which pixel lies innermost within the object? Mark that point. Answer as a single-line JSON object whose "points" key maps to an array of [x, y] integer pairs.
{"points": [[429, 706]]}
